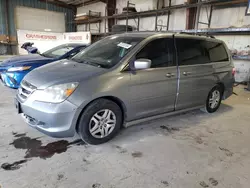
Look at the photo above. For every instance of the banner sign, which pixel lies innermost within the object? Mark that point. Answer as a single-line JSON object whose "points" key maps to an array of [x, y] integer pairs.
{"points": [[40, 37], [46, 40]]}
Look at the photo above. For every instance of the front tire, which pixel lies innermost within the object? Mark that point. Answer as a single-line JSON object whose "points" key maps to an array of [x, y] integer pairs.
{"points": [[100, 121], [213, 100]]}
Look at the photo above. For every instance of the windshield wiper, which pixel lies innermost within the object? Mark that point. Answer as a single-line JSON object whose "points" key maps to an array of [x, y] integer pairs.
{"points": [[90, 63], [44, 55]]}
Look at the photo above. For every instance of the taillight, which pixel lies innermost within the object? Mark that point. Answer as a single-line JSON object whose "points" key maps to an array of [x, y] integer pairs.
{"points": [[233, 71]]}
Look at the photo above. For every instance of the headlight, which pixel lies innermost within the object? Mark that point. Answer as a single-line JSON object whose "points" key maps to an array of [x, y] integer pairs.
{"points": [[56, 93], [12, 69]]}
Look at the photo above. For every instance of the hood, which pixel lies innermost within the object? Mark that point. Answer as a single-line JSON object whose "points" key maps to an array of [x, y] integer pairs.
{"points": [[22, 59], [59, 72]]}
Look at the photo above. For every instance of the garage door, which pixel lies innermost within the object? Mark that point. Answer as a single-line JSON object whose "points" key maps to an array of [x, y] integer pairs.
{"points": [[39, 20]]}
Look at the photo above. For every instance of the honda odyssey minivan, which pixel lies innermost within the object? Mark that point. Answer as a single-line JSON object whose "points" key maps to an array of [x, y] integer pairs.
{"points": [[125, 79]]}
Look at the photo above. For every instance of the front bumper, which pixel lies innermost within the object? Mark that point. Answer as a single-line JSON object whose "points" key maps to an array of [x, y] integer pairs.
{"points": [[55, 120], [12, 79]]}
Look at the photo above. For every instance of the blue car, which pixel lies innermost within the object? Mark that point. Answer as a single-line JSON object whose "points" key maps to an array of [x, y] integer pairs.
{"points": [[13, 70]]}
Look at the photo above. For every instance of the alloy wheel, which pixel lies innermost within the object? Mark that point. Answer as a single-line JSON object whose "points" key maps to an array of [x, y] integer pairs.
{"points": [[214, 99], [102, 123]]}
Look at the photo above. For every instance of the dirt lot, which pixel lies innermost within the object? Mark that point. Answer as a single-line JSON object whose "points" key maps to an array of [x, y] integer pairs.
{"points": [[191, 150]]}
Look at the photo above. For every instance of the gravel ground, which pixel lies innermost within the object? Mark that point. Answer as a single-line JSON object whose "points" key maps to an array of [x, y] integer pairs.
{"points": [[191, 150]]}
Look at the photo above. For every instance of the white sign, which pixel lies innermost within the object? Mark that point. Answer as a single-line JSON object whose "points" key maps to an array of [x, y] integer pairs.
{"points": [[84, 37], [124, 45], [47, 40]]}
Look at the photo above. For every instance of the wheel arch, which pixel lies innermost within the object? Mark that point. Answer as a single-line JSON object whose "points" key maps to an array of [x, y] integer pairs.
{"points": [[114, 99], [222, 86]]}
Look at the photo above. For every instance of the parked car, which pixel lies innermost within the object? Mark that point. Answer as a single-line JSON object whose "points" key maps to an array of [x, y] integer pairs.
{"points": [[15, 68], [125, 79]]}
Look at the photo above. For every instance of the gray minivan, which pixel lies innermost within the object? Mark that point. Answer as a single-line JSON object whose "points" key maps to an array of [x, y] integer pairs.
{"points": [[125, 79]]}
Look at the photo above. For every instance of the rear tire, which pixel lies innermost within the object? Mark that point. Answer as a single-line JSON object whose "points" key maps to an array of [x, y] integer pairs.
{"points": [[100, 122], [213, 100]]}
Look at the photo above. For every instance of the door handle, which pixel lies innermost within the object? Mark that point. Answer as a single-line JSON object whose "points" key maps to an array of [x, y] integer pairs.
{"points": [[186, 73], [169, 75]]}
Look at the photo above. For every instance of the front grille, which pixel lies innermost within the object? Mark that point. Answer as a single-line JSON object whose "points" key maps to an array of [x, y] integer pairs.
{"points": [[25, 90]]}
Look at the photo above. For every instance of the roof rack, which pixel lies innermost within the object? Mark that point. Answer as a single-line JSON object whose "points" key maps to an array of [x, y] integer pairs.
{"points": [[199, 34]]}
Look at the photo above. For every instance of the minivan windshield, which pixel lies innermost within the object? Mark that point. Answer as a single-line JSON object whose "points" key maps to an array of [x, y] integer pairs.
{"points": [[107, 52]]}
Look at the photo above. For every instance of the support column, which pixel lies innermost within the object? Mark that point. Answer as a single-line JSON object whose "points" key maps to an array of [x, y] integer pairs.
{"points": [[111, 10]]}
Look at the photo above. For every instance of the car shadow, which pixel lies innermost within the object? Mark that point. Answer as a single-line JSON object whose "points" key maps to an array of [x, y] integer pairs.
{"points": [[170, 124]]}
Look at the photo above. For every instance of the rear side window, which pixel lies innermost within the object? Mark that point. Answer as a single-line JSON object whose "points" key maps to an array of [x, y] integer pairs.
{"points": [[216, 51], [192, 51]]}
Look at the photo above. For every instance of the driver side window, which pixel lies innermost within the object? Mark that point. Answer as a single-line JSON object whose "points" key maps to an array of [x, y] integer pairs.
{"points": [[159, 51]]}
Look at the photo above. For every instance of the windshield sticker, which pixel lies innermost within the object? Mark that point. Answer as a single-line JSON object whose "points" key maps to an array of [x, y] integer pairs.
{"points": [[124, 45]]}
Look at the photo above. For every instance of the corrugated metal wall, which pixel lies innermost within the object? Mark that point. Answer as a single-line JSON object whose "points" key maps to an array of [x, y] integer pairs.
{"points": [[2, 17], [69, 14]]}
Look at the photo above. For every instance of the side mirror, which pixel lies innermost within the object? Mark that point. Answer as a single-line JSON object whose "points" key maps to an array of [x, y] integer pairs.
{"points": [[142, 64]]}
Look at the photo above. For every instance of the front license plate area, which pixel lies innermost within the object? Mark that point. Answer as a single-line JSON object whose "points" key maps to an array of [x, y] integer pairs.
{"points": [[18, 107]]}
